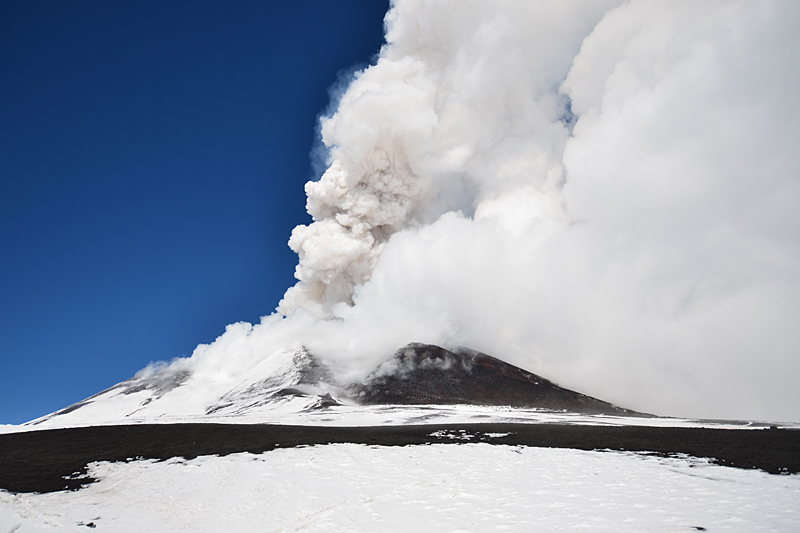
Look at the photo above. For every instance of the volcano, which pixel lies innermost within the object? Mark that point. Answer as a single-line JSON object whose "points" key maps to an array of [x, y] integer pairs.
{"points": [[422, 394], [427, 374], [295, 381]]}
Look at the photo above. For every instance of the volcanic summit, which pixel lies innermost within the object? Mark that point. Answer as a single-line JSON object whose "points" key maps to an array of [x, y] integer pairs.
{"points": [[295, 381], [428, 374]]}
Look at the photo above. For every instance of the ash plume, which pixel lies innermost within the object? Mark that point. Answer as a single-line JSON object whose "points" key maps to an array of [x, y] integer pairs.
{"points": [[604, 193]]}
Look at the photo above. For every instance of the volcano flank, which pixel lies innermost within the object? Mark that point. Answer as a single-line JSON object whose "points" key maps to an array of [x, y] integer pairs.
{"points": [[293, 380], [428, 374]]}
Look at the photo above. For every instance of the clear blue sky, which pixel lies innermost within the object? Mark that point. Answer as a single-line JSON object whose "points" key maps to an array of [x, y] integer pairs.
{"points": [[152, 162]]}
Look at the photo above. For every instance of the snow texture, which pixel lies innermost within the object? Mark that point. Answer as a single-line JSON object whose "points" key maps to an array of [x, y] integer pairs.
{"points": [[468, 487]]}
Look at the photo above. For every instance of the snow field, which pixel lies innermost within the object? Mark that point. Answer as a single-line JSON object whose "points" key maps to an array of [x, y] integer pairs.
{"points": [[468, 487]]}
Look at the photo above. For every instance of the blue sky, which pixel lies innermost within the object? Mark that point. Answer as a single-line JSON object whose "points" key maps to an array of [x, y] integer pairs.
{"points": [[152, 162]]}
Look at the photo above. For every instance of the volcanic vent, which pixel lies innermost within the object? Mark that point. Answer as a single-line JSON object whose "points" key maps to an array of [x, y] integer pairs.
{"points": [[428, 374]]}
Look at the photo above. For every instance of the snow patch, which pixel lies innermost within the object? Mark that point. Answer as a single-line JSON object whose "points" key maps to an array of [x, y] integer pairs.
{"points": [[467, 487]]}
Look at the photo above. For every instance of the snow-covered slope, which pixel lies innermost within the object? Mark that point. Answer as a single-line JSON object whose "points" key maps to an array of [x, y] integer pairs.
{"points": [[287, 381], [469, 487]]}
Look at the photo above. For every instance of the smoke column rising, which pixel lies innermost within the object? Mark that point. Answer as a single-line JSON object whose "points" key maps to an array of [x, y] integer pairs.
{"points": [[604, 193]]}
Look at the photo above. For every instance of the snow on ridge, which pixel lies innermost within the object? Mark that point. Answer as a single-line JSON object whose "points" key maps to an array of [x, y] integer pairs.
{"points": [[295, 411], [279, 378], [282, 378]]}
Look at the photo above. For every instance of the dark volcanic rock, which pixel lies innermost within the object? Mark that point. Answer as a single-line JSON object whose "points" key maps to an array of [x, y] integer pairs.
{"points": [[428, 374], [56, 459]]}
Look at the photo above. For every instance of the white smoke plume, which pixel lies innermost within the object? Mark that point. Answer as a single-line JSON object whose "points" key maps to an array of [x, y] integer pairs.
{"points": [[605, 193]]}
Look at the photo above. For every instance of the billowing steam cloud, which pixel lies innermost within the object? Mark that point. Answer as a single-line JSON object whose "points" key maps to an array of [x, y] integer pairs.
{"points": [[604, 193]]}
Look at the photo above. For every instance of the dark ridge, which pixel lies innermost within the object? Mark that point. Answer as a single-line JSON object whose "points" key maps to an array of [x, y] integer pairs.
{"points": [[56, 459], [428, 374]]}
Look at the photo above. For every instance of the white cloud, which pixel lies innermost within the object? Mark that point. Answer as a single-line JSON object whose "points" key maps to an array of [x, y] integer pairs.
{"points": [[650, 257]]}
